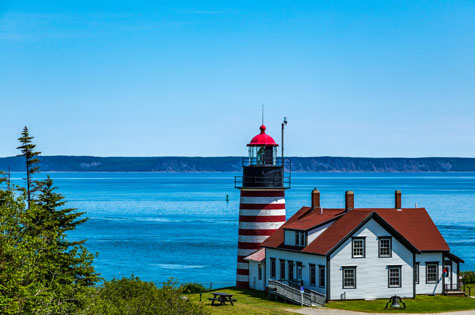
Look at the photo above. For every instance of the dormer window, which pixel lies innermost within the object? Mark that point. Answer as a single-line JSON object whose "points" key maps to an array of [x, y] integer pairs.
{"points": [[300, 239]]}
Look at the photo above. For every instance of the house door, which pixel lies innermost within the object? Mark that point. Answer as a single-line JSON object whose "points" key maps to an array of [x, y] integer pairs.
{"points": [[448, 276], [299, 273]]}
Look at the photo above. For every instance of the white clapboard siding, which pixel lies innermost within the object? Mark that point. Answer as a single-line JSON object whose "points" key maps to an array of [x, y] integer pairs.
{"points": [[314, 233], [429, 288], [254, 282], [305, 259], [371, 271]]}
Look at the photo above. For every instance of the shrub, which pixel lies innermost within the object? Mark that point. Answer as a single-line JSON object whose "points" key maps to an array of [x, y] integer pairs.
{"points": [[468, 276], [134, 296], [193, 288]]}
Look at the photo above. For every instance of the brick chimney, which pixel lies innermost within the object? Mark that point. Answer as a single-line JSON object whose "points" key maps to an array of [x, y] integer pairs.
{"points": [[315, 199], [397, 199], [349, 200]]}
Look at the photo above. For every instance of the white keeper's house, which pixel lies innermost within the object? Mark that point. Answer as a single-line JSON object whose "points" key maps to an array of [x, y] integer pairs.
{"points": [[334, 254]]}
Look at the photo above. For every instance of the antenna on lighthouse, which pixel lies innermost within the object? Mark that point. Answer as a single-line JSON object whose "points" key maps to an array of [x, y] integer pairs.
{"points": [[262, 114], [284, 123]]}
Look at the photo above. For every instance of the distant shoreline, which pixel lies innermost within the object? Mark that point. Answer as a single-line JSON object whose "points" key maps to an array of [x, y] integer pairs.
{"points": [[176, 164]]}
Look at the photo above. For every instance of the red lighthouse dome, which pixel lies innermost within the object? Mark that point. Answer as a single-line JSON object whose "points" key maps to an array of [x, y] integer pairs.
{"points": [[262, 139]]}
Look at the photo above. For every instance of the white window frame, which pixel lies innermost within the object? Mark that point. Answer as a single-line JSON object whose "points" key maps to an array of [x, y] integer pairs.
{"points": [[343, 269], [321, 278], [389, 248], [355, 241], [395, 276], [428, 265]]}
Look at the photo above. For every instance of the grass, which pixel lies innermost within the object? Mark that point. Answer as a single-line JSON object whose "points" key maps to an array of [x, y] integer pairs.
{"points": [[248, 302], [421, 304], [256, 302], [472, 288]]}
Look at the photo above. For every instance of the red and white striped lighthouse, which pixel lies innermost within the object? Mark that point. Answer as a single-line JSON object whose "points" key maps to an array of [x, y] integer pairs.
{"points": [[262, 205]]}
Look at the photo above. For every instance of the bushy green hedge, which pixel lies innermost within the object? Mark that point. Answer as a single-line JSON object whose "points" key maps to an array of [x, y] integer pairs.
{"points": [[468, 276], [193, 288], [134, 296]]}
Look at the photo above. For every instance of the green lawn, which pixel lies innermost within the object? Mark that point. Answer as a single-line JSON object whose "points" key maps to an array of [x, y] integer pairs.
{"points": [[256, 302], [421, 304], [248, 302], [472, 289]]}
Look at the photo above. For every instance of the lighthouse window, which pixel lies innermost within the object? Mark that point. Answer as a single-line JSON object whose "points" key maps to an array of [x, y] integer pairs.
{"points": [[272, 268]]}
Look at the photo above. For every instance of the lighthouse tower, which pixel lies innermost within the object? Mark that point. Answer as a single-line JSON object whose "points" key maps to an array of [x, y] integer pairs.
{"points": [[262, 205]]}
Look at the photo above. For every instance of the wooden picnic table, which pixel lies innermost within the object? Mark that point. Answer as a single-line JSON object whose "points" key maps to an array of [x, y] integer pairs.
{"points": [[222, 298]]}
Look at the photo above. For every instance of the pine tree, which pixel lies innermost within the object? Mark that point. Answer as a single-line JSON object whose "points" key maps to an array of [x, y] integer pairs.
{"points": [[27, 150], [41, 271], [53, 220]]}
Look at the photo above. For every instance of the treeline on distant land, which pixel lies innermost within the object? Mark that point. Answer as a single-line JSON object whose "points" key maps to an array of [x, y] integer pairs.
{"points": [[43, 272], [233, 164]]}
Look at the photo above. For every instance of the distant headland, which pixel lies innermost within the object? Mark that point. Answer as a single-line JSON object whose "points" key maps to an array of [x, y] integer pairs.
{"points": [[60, 163]]}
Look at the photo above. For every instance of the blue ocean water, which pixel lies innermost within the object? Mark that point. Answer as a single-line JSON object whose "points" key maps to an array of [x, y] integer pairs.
{"points": [[162, 225]]}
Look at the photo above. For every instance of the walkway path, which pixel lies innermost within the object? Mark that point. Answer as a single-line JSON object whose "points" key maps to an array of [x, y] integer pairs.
{"points": [[330, 311]]}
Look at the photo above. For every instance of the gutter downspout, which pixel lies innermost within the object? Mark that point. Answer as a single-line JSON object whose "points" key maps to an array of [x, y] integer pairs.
{"points": [[414, 274], [266, 279], [327, 299], [443, 273]]}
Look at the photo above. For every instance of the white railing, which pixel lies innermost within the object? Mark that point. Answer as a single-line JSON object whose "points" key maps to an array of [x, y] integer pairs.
{"points": [[308, 298]]}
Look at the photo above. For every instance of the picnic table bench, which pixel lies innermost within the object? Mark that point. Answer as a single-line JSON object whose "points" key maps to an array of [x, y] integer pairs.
{"points": [[222, 298]]}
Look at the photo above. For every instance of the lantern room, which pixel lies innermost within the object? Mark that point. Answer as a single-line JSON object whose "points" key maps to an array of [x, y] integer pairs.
{"points": [[262, 149], [263, 168]]}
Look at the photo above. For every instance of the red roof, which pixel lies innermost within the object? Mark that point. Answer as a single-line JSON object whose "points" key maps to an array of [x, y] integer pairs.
{"points": [[413, 225], [308, 219], [336, 232], [262, 139], [260, 255]]}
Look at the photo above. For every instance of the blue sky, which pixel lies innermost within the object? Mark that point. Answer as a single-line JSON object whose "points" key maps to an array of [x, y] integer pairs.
{"points": [[354, 78]]}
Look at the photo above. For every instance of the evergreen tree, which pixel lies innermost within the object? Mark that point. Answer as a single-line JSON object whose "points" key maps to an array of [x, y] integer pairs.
{"points": [[53, 220], [28, 151], [41, 271]]}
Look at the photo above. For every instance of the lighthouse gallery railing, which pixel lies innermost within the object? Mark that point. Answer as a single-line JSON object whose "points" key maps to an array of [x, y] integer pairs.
{"points": [[283, 166]]}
